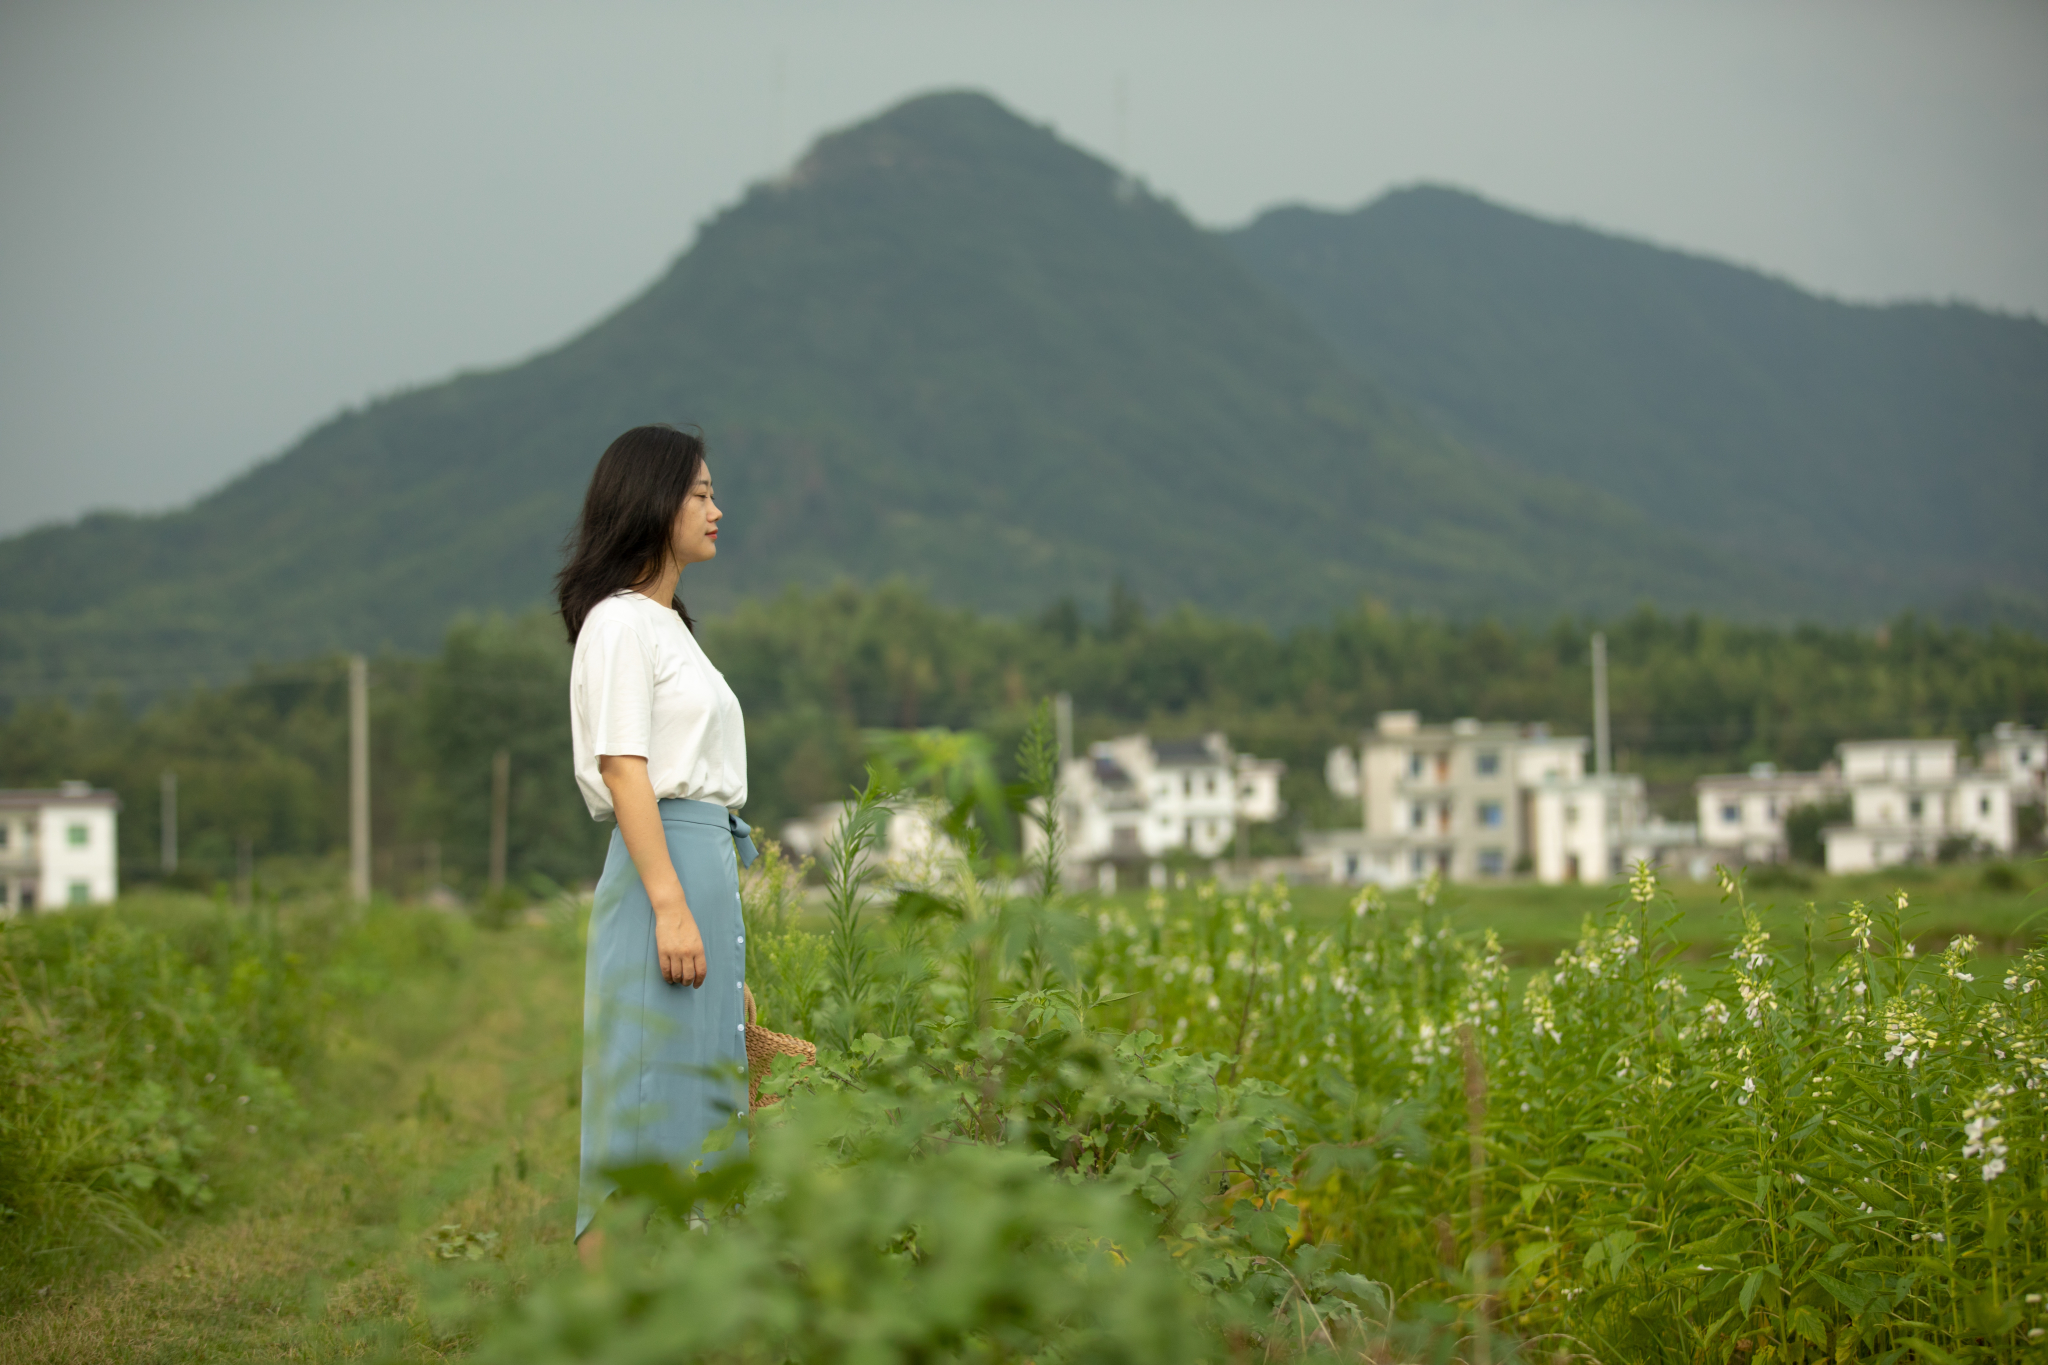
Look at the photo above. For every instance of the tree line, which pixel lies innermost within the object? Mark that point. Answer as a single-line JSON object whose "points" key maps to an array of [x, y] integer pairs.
{"points": [[262, 764]]}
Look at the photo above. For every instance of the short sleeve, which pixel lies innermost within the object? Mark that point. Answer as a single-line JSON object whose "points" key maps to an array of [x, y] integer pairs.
{"points": [[618, 692]]}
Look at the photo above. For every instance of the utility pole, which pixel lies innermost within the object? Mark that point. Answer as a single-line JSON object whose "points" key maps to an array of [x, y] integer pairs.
{"points": [[1603, 745], [359, 777], [501, 804], [170, 821]]}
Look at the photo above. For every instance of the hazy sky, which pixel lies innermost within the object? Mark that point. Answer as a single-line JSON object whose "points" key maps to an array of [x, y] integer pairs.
{"points": [[221, 222]]}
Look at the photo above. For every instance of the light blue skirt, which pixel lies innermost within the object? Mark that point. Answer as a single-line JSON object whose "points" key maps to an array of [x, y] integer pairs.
{"points": [[664, 1066]]}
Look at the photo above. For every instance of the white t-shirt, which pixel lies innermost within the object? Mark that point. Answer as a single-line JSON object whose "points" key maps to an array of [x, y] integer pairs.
{"points": [[641, 684]]}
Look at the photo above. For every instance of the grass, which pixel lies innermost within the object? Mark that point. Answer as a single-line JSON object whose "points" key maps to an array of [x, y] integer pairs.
{"points": [[440, 1124], [1534, 921], [429, 1179]]}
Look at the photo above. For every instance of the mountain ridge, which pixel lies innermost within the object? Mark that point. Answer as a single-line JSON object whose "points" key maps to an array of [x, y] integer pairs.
{"points": [[1781, 423], [946, 346]]}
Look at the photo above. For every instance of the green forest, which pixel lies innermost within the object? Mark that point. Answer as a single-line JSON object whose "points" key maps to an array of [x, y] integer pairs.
{"points": [[262, 764]]}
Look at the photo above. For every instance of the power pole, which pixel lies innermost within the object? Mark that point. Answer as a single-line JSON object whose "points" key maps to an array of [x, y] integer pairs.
{"points": [[359, 777], [501, 805], [1603, 746], [170, 821]]}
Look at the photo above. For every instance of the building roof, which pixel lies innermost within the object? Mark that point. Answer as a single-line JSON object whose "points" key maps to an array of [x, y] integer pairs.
{"points": [[1897, 744], [1110, 774], [1762, 782], [1187, 753], [70, 794], [1471, 732]]}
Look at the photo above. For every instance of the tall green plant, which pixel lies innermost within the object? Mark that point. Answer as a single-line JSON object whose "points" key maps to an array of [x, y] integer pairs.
{"points": [[850, 868]]}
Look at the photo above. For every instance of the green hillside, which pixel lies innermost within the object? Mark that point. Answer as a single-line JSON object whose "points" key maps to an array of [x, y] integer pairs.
{"points": [[947, 347], [1889, 455]]}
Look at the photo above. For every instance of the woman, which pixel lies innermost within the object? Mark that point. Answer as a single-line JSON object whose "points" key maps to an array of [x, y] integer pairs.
{"points": [[660, 747]]}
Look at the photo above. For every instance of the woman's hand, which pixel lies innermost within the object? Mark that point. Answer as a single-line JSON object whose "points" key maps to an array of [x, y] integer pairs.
{"points": [[678, 945]]}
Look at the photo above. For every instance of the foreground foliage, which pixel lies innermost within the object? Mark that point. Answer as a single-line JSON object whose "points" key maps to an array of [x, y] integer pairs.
{"points": [[1375, 1138], [143, 1049]]}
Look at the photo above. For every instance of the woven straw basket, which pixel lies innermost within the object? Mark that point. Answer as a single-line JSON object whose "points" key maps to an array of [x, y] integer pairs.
{"points": [[763, 1047]]}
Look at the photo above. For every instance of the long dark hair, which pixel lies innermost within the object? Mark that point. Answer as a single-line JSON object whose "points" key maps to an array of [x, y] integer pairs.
{"points": [[629, 517]]}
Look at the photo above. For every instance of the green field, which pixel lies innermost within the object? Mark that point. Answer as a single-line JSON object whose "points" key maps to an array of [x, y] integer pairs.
{"points": [[1535, 921], [412, 1171], [442, 1098]]}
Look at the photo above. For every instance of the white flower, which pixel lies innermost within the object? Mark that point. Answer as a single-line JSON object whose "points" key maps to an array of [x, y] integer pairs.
{"points": [[1859, 925], [1642, 883]]}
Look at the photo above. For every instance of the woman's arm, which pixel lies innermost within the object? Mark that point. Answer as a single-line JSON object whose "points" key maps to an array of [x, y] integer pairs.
{"points": [[676, 940]]}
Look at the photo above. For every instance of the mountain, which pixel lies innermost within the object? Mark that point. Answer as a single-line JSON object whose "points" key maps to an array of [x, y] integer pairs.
{"points": [[1885, 455], [947, 346]]}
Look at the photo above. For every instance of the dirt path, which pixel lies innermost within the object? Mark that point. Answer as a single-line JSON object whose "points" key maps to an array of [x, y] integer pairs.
{"points": [[445, 1175]]}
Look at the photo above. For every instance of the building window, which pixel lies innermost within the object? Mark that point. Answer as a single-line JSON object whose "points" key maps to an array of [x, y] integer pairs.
{"points": [[1350, 865], [1571, 815], [1415, 862], [1983, 805], [1415, 765], [1416, 816], [81, 893], [78, 834], [4, 829], [1913, 809], [1489, 814], [1488, 763], [1209, 785], [1771, 808], [1492, 862], [1731, 814]]}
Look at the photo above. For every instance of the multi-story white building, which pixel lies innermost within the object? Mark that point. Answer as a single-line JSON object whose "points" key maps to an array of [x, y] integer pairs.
{"points": [[1742, 815], [1594, 829], [2021, 754], [1136, 799], [57, 848], [1909, 796], [1475, 800]]}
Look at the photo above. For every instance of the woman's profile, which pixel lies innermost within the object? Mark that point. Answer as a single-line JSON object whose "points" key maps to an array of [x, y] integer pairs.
{"points": [[660, 748]]}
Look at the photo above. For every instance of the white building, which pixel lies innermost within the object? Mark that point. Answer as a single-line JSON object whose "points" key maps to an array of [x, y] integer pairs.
{"points": [[1475, 801], [910, 848], [1595, 828], [1742, 815], [57, 848], [1135, 799], [1909, 796], [2021, 754]]}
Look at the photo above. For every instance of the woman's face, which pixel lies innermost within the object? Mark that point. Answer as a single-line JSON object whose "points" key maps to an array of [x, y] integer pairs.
{"points": [[695, 537]]}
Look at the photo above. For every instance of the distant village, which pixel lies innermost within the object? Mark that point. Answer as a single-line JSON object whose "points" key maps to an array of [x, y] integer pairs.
{"points": [[1471, 800], [1487, 801]]}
